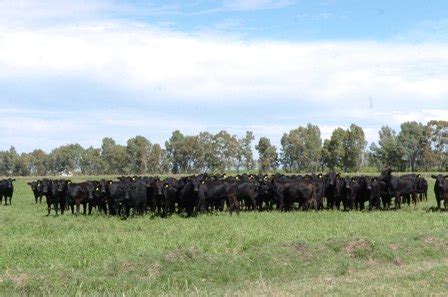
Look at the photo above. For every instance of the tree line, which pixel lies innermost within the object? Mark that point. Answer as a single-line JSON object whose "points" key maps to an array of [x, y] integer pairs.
{"points": [[415, 147]]}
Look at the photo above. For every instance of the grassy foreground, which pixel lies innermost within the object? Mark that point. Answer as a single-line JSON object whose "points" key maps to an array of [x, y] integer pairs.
{"points": [[330, 252]]}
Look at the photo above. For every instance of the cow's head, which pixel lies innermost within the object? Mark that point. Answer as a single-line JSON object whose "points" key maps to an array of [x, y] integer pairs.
{"points": [[440, 180]]}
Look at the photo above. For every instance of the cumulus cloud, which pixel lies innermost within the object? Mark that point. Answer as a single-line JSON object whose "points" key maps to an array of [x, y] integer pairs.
{"points": [[329, 83], [182, 66]]}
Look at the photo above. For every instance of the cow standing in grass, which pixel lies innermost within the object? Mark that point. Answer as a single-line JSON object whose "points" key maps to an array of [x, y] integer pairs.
{"points": [[441, 190], [6, 190], [36, 187], [398, 187]]}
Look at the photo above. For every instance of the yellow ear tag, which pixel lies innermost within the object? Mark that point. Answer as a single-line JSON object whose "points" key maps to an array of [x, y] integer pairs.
{"points": [[237, 178], [166, 186]]}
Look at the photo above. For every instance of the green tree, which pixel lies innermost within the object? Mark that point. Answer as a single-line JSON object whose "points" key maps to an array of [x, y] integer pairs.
{"points": [[113, 157], [354, 146], [66, 159], [301, 149], [138, 152], [437, 133], [8, 159], [39, 165], [91, 163], [22, 166], [389, 151], [268, 157], [244, 155], [156, 159], [226, 147], [175, 148], [412, 138], [334, 151]]}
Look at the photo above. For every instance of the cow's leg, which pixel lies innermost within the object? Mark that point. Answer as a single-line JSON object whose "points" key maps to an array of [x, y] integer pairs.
{"points": [[397, 201], [78, 206]]}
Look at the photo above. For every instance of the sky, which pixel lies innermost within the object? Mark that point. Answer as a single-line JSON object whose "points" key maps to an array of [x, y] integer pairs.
{"points": [[77, 71]]}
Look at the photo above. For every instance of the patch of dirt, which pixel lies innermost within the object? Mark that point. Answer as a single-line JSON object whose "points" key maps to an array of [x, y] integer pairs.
{"points": [[394, 246], [398, 262], [181, 254], [301, 249], [435, 242], [19, 279], [359, 248], [128, 266]]}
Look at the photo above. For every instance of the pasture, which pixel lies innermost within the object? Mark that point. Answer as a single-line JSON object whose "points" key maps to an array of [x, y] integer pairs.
{"points": [[254, 253]]}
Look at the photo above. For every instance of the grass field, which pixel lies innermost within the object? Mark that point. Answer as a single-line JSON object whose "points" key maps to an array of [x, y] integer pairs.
{"points": [[383, 253]]}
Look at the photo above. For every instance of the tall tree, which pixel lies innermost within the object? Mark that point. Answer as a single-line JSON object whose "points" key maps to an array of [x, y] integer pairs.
{"points": [[8, 159], [39, 163], [138, 152], [176, 152], [156, 159], [113, 157], [226, 147], [244, 155], [66, 159], [354, 146], [301, 149], [91, 163], [412, 137], [437, 132], [389, 151], [268, 157], [334, 151]]}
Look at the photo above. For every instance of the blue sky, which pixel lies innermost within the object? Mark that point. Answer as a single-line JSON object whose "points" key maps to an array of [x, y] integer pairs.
{"points": [[76, 71]]}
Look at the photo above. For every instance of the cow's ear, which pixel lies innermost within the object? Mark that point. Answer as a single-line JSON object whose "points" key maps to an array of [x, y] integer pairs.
{"points": [[445, 177], [433, 176], [110, 182], [338, 175], [418, 175], [29, 184], [320, 175]]}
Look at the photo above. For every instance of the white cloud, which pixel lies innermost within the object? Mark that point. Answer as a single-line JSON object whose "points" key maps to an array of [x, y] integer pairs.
{"points": [[182, 66], [369, 83]]}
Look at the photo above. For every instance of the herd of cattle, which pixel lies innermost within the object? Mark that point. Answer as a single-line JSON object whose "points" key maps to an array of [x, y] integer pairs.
{"points": [[202, 193]]}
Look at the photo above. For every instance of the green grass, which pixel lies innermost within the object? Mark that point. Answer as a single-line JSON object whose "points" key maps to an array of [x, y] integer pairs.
{"points": [[330, 252]]}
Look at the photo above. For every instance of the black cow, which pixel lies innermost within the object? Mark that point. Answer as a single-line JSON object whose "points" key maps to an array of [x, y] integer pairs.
{"points": [[189, 195], [265, 194], [78, 195], [398, 187], [247, 192], [47, 191], [213, 194], [295, 189], [59, 190], [369, 191], [422, 188], [36, 187], [333, 186], [349, 192], [441, 190], [169, 196], [6, 190], [131, 195]]}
